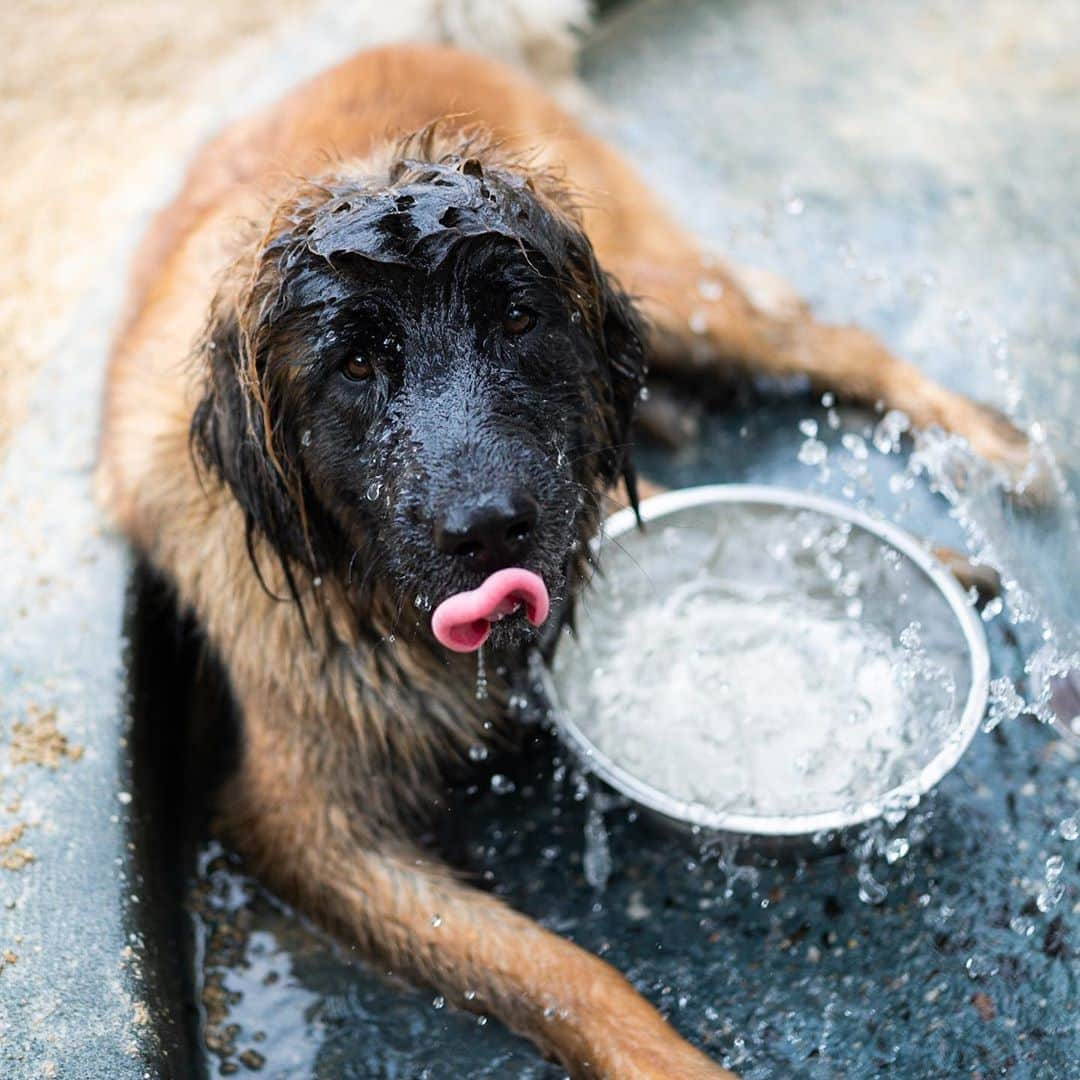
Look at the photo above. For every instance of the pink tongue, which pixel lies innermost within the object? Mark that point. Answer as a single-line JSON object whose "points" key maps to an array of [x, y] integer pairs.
{"points": [[463, 621]]}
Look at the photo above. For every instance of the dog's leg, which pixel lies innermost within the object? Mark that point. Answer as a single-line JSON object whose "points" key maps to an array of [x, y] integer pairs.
{"points": [[713, 319], [415, 919]]}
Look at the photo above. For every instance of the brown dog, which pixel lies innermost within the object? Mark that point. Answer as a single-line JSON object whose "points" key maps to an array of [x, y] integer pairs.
{"points": [[412, 373]]}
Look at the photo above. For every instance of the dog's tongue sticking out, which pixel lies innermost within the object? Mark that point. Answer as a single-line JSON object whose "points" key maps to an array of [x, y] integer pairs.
{"points": [[463, 621]]}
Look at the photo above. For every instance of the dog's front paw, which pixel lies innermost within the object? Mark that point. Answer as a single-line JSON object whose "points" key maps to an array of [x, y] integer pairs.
{"points": [[1024, 464]]}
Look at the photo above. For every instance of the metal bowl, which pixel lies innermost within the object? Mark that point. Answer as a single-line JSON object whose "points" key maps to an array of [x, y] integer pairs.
{"points": [[721, 502]]}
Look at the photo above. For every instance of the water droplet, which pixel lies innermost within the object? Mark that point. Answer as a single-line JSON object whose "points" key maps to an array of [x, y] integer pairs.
{"points": [[502, 785], [481, 676], [854, 445], [478, 753], [374, 490], [889, 431], [698, 322], [596, 860], [438, 1001], [813, 452], [1025, 927], [809, 428], [436, 921], [1050, 896], [979, 967], [710, 290], [794, 206], [575, 317], [871, 891], [896, 849], [305, 439], [1005, 703]]}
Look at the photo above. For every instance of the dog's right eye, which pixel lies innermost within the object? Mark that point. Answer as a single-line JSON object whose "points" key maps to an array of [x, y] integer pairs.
{"points": [[357, 369], [518, 320]]}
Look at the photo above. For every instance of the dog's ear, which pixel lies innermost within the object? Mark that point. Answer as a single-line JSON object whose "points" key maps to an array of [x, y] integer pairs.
{"points": [[619, 334], [234, 434], [623, 336]]}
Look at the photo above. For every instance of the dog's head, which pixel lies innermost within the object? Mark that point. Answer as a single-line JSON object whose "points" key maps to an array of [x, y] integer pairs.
{"points": [[423, 381]]}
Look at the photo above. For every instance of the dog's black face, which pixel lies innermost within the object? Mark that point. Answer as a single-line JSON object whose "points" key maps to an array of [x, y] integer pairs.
{"points": [[442, 417], [448, 380]]}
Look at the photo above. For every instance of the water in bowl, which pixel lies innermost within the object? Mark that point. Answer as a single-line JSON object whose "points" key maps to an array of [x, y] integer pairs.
{"points": [[764, 662]]}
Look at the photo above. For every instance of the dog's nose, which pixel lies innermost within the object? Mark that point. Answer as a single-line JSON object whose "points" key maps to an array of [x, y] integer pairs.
{"points": [[492, 532]]}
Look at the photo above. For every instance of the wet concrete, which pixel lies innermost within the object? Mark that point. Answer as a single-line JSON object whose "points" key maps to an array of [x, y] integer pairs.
{"points": [[73, 997], [939, 962]]}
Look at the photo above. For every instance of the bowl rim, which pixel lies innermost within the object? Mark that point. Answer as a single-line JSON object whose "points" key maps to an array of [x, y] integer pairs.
{"points": [[906, 794]]}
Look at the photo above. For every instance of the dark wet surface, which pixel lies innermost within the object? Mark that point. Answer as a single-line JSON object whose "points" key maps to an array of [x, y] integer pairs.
{"points": [[779, 968]]}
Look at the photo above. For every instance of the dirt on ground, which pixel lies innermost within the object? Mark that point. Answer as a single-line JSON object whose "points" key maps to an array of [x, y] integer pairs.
{"points": [[98, 102]]}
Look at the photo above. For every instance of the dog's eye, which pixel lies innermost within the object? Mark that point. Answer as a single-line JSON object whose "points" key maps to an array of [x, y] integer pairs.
{"points": [[357, 369], [518, 320]]}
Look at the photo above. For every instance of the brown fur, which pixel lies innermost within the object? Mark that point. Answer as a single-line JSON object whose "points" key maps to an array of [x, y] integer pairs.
{"points": [[342, 738]]}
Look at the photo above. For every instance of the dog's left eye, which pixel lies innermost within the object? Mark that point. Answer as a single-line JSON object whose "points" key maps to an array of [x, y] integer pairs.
{"points": [[518, 320], [357, 369]]}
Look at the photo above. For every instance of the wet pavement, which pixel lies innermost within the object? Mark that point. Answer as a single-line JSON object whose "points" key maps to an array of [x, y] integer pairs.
{"points": [[928, 952]]}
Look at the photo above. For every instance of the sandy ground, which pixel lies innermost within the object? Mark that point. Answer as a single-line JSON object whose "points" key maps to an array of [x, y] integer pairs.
{"points": [[94, 101]]}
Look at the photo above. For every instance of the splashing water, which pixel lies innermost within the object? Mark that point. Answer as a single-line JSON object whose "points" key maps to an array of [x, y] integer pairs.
{"points": [[749, 680], [997, 533], [596, 860], [996, 536], [481, 676]]}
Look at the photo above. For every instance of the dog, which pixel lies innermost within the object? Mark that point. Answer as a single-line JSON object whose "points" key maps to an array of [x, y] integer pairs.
{"points": [[362, 414]]}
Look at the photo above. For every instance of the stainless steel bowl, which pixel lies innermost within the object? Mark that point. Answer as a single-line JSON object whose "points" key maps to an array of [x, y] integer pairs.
{"points": [[673, 507]]}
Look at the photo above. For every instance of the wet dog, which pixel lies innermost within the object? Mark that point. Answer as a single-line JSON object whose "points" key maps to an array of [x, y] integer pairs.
{"points": [[416, 368]]}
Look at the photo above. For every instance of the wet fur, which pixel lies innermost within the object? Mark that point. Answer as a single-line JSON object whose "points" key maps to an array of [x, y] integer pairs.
{"points": [[351, 714], [332, 246]]}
